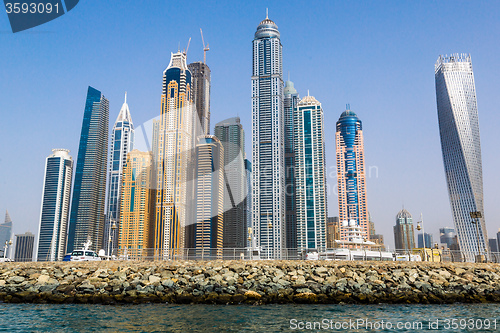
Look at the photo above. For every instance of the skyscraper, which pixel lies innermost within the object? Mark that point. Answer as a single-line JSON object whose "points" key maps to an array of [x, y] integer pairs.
{"points": [[268, 156], [206, 234], [428, 240], [291, 98], [136, 231], [248, 203], [24, 247], [310, 178], [332, 231], [174, 164], [89, 190], [461, 148], [351, 177], [404, 237], [232, 137], [447, 236], [200, 88], [56, 195], [5, 231], [122, 142]]}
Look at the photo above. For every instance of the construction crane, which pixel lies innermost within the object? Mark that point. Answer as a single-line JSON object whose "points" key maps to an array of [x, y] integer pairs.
{"points": [[205, 48], [187, 48]]}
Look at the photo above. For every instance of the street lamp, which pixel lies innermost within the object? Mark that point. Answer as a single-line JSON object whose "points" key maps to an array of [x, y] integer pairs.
{"points": [[113, 228], [477, 216], [420, 226]]}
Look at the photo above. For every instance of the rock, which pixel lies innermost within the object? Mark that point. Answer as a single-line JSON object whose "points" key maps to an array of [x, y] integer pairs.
{"points": [[154, 279], [250, 294], [15, 279]]}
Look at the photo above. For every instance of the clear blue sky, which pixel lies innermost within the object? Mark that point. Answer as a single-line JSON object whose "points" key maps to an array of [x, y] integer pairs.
{"points": [[376, 55]]}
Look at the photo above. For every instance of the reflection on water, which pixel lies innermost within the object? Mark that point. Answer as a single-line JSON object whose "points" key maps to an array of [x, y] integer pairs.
{"points": [[245, 318]]}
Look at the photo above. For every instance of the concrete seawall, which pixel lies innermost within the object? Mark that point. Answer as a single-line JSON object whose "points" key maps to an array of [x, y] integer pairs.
{"points": [[251, 282]]}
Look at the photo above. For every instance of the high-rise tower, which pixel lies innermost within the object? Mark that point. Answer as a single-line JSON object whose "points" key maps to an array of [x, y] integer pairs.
{"points": [[5, 230], [89, 190], [175, 168], [404, 237], [122, 142], [351, 178], [200, 88], [53, 228], [268, 156], [291, 98], [310, 177], [137, 206], [461, 148], [232, 136], [206, 234]]}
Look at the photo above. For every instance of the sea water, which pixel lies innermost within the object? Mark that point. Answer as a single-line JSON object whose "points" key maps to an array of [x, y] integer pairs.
{"points": [[249, 318]]}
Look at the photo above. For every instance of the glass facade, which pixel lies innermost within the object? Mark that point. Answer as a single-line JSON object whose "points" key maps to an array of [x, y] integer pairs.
{"points": [[291, 98], [268, 156], [89, 190], [461, 148], [404, 237], [232, 137], [310, 177], [122, 142], [54, 214]]}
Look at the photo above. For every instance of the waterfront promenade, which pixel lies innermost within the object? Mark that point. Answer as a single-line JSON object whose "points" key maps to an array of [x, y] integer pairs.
{"points": [[249, 282]]}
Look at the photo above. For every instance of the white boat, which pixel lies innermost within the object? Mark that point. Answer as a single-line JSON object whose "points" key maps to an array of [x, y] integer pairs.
{"points": [[356, 247]]}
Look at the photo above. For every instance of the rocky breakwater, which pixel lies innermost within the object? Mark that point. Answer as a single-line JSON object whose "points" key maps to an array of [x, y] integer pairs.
{"points": [[253, 282]]}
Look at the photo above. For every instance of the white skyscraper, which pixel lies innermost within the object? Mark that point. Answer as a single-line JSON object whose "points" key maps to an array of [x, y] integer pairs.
{"points": [[268, 158], [461, 148], [122, 142], [310, 178], [56, 195]]}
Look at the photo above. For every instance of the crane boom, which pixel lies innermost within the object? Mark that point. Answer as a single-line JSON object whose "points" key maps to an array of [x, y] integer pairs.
{"points": [[205, 48]]}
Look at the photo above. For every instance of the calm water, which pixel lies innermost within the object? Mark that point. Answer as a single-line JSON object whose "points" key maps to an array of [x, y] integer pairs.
{"points": [[269, 318]]}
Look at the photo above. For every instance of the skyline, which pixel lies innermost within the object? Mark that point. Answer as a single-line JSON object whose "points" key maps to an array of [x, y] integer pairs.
{"points": [[22, 197]]}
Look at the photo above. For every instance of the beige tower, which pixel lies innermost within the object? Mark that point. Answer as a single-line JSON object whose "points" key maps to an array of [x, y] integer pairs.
{"points": [[137, 206], [174, 164]]}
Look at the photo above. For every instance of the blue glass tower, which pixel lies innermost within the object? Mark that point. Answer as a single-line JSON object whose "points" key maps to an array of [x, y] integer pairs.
{"points": [[53, 228], [310, 178], [89, 191]]}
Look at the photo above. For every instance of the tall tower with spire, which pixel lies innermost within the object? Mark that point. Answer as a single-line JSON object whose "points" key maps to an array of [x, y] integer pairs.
{"points": [[268, 155], [122, 142], [175, 171], [5, 230]]}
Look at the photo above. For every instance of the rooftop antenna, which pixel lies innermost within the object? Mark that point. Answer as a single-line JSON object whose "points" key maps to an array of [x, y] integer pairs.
{"points": [[307, 92], [348, 106], [267, 13], [179, 47], [288, 75], [205, 48], [125, 97]]}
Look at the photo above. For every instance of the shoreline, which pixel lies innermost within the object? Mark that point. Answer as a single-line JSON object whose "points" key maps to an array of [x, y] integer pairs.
{"points": [[249, 282]]}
